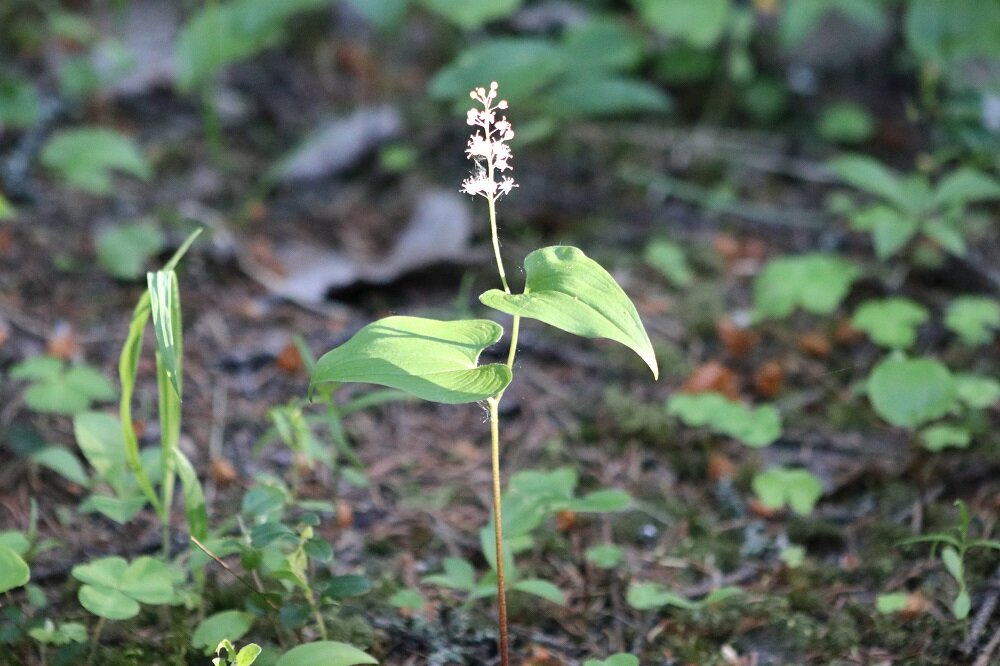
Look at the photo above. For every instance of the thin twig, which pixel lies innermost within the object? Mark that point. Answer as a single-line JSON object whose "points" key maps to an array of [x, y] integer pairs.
{"points": [[987, 653], [238, 577]]}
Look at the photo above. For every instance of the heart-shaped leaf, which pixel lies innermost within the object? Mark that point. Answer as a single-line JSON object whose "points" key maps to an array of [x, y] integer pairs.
{"points": [[14, 571], [566, 289], [798, 488], [328, 653], [112, 587], [231, 624], [890, 322], [910, 392], [433, 360]]}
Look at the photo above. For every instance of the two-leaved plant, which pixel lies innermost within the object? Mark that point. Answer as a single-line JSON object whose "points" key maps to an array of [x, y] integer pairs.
{"points": [[439, 360]]}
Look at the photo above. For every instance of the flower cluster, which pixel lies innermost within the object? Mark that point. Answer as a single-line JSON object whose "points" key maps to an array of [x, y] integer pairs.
{"points": [[488, 148]]}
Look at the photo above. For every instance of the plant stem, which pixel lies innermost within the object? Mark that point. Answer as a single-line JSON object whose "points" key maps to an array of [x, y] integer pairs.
{"points": [[317, 615], [496, 238], [498, 527], [95, 641]]}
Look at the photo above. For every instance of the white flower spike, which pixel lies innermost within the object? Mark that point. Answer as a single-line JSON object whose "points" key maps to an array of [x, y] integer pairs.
{"points": [[488, 146]]}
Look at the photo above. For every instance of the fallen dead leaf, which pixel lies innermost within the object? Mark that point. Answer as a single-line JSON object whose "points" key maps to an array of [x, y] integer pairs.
{"points": [[815, 344], [846, 334], [768, 379], [62, 343], [289, 360], [738, 340], [712, 377], [565, 520], [223, 472], [720, 467]]}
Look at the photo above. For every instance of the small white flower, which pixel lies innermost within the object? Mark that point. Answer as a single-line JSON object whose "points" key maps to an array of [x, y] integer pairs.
{"points": [[488, 148]]}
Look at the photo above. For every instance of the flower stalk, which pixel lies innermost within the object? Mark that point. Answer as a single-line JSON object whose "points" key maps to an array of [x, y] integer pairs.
{"points": [[488, 148]]}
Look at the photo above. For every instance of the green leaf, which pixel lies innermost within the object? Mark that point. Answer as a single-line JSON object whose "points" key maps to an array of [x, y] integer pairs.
{"points": [[962, 605], [910, 392], [940, 437], [85, 158], [55, 397], [223, 33], [595, 97], [19, 103], [164, 304], [754, 427], [90, 382], [107, 602], [816, 282], [383, 14], [433, 360], [38, 368], [698, 22], [601, 44], [846, 122], [869, 175], [975, 319], [62, 461], [113, 587], [541, 588], [231, 625], [342, 587], [798, 488], [890, 322], [248, 654], [327, 653], [408, 598], [608, 500], [521, 66], [193, 495], [977, 391], [649, 596], [99, 437], [953, 563], [894, 602], [14, 571], [620, 659], [890, 229], [458, 574], [668, 258], [947, 234], [471, 14], [566, 289], [966, 186], [123, 251], [604, 556], [16, 541]]}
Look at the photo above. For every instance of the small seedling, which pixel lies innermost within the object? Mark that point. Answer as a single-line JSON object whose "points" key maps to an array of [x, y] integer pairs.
{"points": [[890, 322], [974, 319], [816, 283], [245, 657], [780, 486], [652, 596], [755, 427], [56, 388], [438, 361], [909, 206], [954, 547], [620, 659]]}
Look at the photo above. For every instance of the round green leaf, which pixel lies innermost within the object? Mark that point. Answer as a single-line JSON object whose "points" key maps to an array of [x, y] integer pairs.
{"points": [[104, 572], [975, 319], [541, 588], [566, 289], [698, 22], [755, 427], [910, 392], [890, 322], [798, 488], [107, 603], [816, 282], [85, 158], [123, 251], [327, 653], [939, 437], [14, 571], [977, 391], [620, 659], [231, 624], [433, 360], [147, 580]]}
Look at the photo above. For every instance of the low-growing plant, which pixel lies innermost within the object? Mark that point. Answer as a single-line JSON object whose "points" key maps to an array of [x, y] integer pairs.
{"points": [[910, 206], [438, 361], [246, 656], [955, 545], [57, 388]]}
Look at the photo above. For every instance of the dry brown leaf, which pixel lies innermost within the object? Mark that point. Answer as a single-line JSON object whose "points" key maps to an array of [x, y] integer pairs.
{"points": [[712, 377], [565, 520], [289, 360], [815, 344], [738, 340], [223, 472], [720, 467], [63, 343], [768, 379]]}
